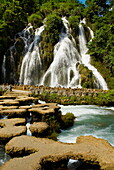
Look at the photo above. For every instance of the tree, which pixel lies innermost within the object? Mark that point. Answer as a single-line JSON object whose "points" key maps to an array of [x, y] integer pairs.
{"points": [[35, 20]]}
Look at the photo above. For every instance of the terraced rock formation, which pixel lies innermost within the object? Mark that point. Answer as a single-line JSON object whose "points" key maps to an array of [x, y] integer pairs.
{"points": [[48, 154]]}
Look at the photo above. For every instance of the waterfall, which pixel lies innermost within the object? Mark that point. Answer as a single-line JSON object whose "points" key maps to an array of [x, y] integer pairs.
{"points": [[31, 65], [12, 75], [86, 58], [63, 70], [4, 69]]}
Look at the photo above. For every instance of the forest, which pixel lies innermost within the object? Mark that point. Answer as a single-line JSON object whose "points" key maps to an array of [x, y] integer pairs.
{"points": [[15, 15]]}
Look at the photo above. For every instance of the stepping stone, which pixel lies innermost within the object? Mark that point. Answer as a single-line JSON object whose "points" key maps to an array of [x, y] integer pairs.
{"points": [[39, 129], [11, 127], [14, 112]]}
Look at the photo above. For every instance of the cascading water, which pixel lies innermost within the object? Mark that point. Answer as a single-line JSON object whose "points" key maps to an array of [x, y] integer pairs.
{"points": [[63, 71], [4, 69], [31, 65], [86, 58]]}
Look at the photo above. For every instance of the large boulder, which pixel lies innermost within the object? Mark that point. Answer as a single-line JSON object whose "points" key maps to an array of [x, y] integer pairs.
{"points": [[43, 152]]}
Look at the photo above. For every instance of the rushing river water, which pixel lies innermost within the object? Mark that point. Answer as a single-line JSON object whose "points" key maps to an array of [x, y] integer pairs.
{"points": [[90, 120]]}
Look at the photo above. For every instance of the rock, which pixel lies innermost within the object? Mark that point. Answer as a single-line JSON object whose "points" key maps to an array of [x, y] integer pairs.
{"points": [[11, 127], [9, 102], [14, 112], [8, 107], [45, 108], [44, 151], [25, 107], [7, 97], [40, 112], [27, 100], [39, 129]]}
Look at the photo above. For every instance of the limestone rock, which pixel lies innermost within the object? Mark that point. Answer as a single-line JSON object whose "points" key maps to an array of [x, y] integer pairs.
{"points": [[41, 112], [11, 127], [9, 102], [47, 108], [8, 107], [14, 112], [27, 100], [25, 107], [39, 129], [88, 149], [7, 97]]}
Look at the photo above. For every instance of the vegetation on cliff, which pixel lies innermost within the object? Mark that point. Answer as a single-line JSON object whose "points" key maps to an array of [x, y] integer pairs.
{"points": [[16, 14]]}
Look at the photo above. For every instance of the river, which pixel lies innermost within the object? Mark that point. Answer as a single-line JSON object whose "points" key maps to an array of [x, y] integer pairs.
{"points": [[90, 120]]}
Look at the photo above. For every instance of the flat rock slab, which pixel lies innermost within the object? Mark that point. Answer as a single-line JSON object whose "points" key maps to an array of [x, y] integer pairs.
{"points": [[25, 107], [39, 128], [48, 108], [8, 107], [42, 150], [13, 112], [11, 127], [7, 97], [9, 102], [27, 100]]}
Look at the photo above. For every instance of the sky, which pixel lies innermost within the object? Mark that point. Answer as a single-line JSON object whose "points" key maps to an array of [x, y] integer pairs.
{"points": [[83, 1]]}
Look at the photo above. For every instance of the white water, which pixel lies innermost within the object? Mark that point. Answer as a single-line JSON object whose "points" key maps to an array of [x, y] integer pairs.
{"points": [[91, 120], [31, 65], [4, 68], [64, 69], [66, 57], [86, 58]]}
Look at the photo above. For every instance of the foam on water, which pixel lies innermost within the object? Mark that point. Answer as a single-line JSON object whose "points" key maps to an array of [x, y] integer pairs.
{"points": [[90, 120]]}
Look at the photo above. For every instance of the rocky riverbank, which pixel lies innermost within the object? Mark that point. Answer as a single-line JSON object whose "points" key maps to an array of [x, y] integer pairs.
{"points": [[38, 152]]}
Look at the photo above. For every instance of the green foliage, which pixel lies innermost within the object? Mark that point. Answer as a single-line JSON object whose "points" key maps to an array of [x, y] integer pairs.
{"points": [[2, 91], [102, 46], [87, 78], [50, 36], [74, 24], [53, 22], [35, 20], [53, 136], [105, 98], [15, 14], [67, 120]]}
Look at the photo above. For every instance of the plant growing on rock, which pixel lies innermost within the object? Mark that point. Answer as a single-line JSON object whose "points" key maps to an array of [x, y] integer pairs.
{"points": [[67, 120]]}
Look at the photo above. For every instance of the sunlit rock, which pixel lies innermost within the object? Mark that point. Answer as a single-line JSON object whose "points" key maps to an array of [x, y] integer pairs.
{"points": [[39, 129], [11, 127], [43, 152]]}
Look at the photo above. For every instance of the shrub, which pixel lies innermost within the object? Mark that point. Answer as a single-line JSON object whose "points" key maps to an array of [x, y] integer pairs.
{"points": [[67, 120], [35, 20]]}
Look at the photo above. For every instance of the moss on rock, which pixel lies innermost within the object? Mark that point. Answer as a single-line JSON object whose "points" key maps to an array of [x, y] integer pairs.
{"points": [[87, 78]]}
